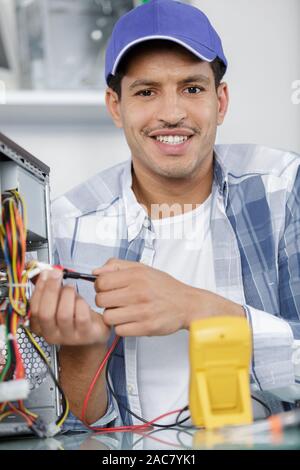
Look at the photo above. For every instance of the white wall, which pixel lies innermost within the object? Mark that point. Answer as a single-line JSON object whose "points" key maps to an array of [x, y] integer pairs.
{"points": [[73, 153], [262, 42]]}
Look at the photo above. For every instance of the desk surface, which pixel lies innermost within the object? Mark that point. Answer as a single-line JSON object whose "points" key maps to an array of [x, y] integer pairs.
{"points": [[171, 439]]}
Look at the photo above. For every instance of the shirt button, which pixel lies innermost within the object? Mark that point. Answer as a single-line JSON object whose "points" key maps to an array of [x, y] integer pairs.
{"points": [[147, 223], [130, 389]]}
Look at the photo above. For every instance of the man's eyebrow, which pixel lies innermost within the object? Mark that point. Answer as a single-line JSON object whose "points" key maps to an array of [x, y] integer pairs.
{"points": [[199, 78], [143, 82]]}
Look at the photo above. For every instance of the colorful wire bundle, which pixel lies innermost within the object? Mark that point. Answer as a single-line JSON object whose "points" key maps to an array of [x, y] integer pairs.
{"points": [[15, 310], [13, 244]]}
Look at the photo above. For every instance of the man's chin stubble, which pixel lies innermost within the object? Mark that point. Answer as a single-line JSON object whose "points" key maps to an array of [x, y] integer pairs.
{"points": [[176, 172]]}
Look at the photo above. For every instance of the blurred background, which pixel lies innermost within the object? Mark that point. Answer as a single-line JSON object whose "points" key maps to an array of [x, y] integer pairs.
{"points": [[52, 84]]}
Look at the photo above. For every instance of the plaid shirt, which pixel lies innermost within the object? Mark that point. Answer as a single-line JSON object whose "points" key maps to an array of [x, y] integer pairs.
{"points": [[255, 226]]}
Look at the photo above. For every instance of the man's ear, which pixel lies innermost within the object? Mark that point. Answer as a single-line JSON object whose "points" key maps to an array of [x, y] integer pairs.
{"points": [[113, 106], [223, 102]]}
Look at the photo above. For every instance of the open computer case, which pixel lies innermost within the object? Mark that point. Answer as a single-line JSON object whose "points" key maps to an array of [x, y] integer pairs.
{"points": [[22, 172]]}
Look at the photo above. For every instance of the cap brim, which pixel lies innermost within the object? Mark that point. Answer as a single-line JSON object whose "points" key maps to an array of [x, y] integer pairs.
{"points": [[200, 51]]}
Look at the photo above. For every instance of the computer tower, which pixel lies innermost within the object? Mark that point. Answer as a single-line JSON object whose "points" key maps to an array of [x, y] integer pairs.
{"points": [[20, 171]]}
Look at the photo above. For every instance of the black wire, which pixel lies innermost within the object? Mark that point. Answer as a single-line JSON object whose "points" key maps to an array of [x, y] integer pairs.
{"points": [[177, 422], [264, 405], [185, 428], [180, 425], [127, 409], [194, 427], [10, 345], [63, 396]]}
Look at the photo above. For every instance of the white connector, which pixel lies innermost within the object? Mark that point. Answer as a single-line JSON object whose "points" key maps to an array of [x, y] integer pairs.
{"points": [[14, 390], [38, 268], [52, 430], [2, 336]]}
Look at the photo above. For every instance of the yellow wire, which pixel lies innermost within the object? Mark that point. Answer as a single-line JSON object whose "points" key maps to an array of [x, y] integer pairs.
{"points": [[14, 278], [23, 408], [36, 345], [64, 417], [14, 244], [10, 294], [2, 407], [20, 198], [4, 415]]}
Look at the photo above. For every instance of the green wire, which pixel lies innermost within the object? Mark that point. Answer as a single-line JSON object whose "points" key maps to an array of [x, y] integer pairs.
{"points": [[8, 362]]}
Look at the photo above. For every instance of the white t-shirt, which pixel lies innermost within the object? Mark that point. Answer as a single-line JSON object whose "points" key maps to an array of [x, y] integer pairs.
{"points": [[183, 250]]}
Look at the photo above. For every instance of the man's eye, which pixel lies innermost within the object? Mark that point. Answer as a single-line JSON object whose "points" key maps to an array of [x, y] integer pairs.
{"points": [[193, 90], [144, 93]]}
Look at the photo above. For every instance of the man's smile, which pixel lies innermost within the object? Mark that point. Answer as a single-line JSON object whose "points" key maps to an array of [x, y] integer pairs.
{"points": [[172, 142]]}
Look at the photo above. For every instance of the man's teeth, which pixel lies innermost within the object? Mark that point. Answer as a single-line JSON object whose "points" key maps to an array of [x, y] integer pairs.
{"points": [[172, 139]]}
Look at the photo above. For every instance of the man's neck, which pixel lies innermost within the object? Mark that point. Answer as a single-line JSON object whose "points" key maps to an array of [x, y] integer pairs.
{"points": [[165, 197]]}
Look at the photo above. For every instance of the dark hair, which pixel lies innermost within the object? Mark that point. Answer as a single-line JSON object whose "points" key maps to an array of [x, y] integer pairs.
{"points": [[114, 81]]}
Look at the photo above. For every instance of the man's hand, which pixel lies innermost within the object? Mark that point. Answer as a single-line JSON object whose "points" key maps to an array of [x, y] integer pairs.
{"points": [[61, 316], [143, 301]]}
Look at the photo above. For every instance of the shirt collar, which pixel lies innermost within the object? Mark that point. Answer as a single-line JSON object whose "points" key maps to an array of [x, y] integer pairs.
{"points": [[135, 215], [220, 176]]}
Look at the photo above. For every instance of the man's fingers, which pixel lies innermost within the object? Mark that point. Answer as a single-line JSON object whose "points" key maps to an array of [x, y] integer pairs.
{"points": [[131, 329], [50, 298], [108, 281], [117, 298], [65, 311], [36, 297], [35, 326], [83, 322], [118, 316], [62, 317], [89, 323], [115, 264]]}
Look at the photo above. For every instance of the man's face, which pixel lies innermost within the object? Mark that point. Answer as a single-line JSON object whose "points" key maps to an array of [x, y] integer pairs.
{"points": [[169, 110]]}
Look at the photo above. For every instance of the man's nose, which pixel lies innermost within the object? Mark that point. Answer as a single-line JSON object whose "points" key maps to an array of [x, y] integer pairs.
{"points": [[171, 109]]}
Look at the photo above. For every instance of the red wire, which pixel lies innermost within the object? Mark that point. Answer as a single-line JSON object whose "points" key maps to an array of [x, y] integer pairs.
{"points": [[21, 413], [62, 268], [133, 427], [8, 236], [120, 428], [161, 441], [19, 372], [91, 387]]}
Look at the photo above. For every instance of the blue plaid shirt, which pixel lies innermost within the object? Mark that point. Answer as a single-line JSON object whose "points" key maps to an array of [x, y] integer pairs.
{"points": [[255, 226]]}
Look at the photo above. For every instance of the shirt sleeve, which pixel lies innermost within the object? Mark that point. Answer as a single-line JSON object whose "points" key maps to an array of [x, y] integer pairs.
{"points": [[273, 348], [276, 345]]}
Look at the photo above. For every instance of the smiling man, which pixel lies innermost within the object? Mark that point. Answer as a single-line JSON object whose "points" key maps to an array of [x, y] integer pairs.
{"points": [[169, 106], [183, 230]]}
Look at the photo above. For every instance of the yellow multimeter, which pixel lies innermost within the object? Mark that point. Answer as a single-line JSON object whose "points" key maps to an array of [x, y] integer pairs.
{"points": [[220, 355]]}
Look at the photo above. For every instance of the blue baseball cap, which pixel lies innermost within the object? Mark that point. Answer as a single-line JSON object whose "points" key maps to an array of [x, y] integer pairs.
{"points": [[163, 19]]}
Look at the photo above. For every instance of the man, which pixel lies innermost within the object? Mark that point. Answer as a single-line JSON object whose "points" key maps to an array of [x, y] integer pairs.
{"points": [[185, 230]]}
